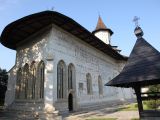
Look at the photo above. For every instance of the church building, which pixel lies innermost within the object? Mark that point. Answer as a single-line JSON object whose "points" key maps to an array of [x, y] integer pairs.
{"points": [[60, 65]]}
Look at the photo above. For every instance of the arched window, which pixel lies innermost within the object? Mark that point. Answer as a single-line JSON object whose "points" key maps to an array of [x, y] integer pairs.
{"points": [[18, 83], [100, 85], [61, 81], [71, 76], [89, 83], [40, 80], [32, 82]]}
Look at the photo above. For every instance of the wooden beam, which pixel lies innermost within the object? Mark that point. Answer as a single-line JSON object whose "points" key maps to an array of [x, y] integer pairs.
{"points": [[137, 90]]}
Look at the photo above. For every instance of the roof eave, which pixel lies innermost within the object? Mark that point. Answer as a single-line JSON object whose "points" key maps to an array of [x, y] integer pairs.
{"points": [[26, 26], [108, 30]]}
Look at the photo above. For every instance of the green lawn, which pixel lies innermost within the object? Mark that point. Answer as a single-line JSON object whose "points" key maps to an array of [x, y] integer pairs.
{"points": [[129, 107], [133, 107], [135, 119], [101, 119]]}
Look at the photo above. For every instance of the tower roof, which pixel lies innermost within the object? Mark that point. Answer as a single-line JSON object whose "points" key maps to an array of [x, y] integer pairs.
{"points": [[101, 26]]}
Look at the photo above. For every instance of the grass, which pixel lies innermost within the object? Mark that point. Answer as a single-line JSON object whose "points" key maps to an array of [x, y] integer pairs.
{"points": [[147, 107], [102, 119], [129, 107], [134, 107], [135, 119]]}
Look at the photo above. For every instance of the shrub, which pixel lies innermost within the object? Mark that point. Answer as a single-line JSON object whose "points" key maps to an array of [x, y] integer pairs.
{"points": [[153, 104]]}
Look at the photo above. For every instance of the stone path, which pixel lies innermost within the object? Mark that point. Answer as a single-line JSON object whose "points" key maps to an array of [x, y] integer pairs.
{"points": [[82, 115], [103, 113]]}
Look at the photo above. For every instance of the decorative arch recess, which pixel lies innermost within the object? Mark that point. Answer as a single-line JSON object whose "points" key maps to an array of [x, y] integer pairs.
{"points": [[100, 85], [71, 77], [30, 81], [89, 83], [61, 80]]}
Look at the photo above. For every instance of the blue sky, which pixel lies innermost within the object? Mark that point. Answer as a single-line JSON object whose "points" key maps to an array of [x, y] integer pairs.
{"points": [[116, 14]]}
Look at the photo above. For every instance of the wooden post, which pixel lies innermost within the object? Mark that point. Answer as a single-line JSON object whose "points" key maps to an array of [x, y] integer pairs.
{"points": [[139, 99]]}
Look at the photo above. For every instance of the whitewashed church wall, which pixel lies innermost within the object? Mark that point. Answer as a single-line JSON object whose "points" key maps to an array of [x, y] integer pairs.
{"points": [[55, 45], [10, 93], [28, 53], [86, 60]]}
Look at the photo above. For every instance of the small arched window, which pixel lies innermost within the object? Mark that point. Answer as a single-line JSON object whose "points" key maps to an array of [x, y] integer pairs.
{"points": [[89, 83]]}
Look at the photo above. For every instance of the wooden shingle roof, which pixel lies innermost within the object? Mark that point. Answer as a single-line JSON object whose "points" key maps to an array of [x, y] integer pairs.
{"points": [[17, 31], [142, 68]]}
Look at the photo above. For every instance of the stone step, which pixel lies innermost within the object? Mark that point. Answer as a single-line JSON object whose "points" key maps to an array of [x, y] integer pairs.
{"points": [[25, 105], [30, 108], [20, 115]]}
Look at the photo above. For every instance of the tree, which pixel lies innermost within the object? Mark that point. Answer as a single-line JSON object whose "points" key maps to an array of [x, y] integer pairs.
{"points": [[3, 84], [153, 104]]}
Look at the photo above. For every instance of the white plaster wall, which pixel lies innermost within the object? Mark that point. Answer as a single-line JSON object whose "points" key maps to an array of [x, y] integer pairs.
{"points": [[86, 59], [10, 93], [104, 36], [54, 45]]}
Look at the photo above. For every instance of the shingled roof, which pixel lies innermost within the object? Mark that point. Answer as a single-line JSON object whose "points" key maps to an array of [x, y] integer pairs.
{"points": [[142, 68], [17, 31]]}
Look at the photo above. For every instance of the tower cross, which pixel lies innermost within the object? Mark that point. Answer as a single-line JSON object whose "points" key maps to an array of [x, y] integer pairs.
{"points": [[135, 19], [52, 9]]}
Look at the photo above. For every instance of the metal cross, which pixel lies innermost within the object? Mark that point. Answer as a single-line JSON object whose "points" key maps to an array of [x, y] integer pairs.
{"points": [[52, 9], [135, 19]]}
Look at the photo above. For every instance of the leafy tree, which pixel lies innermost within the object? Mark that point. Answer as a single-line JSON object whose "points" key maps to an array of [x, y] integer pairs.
{"points": [[3, 84]]}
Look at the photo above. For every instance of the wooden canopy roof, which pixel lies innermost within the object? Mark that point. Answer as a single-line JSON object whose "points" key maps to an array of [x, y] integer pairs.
{"points": [[19, 30], [142, 68]]}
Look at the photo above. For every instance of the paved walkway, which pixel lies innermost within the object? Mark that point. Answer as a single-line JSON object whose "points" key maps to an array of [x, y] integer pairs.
{"points": [[82, 115], [104, 113]]}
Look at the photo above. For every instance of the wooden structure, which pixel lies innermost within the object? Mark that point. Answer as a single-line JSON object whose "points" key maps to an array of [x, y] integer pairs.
{"points": [[142, 69]]}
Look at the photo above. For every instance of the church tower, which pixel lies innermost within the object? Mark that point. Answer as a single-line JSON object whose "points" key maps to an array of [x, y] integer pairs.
{"points": [[102, 32]]}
